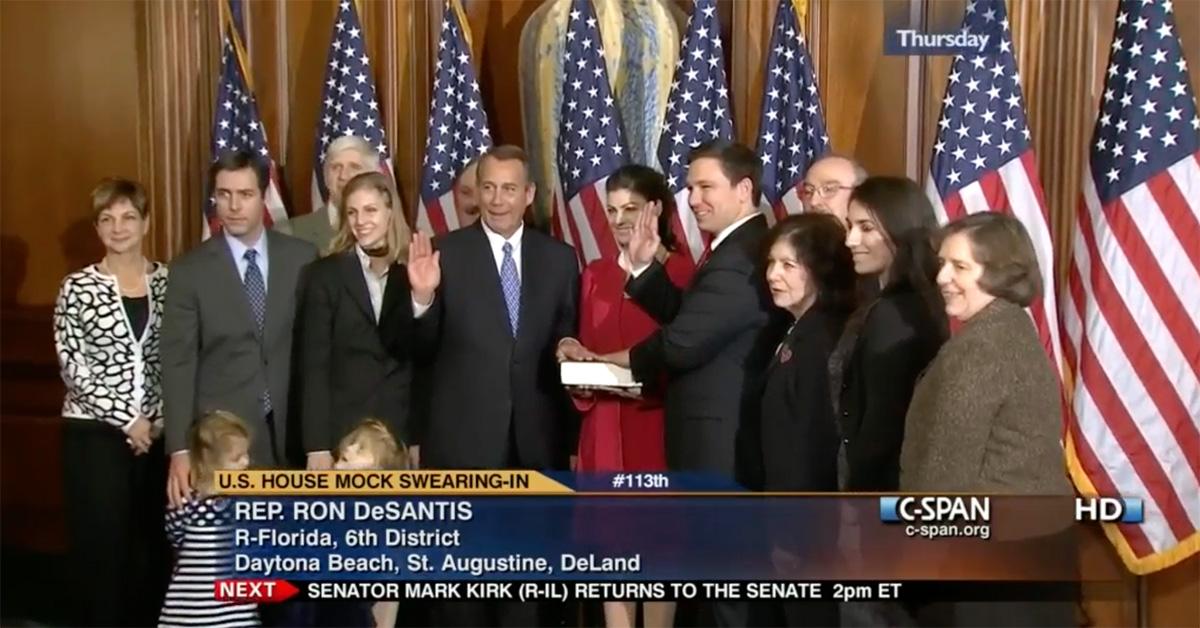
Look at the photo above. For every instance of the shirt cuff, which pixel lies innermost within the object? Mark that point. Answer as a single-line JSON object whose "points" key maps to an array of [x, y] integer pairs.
{"points": [[128, 425], [181, 451], [637, 271], [420, 309]]}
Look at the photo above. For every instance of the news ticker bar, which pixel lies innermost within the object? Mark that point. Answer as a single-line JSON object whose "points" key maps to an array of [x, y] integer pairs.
{"points": [[267, 591]]}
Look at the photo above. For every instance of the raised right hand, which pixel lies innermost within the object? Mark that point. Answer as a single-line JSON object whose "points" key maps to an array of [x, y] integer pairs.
{"points": [[179, 479], [424, 268], [644, 242]]}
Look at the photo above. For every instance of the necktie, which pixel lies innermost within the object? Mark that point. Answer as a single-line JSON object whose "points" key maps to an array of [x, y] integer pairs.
{"points": [[705, 255], [510, 282], [256, 292]]}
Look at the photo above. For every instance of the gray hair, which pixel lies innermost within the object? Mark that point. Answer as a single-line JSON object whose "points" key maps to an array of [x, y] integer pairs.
{"points": [[860, 173], [354, 142]]}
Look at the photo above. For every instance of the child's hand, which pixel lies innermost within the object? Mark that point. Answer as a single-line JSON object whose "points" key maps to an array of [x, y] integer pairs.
{"points": [[319, 461]]}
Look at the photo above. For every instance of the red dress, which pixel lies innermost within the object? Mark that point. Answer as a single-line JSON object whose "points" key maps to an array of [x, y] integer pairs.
{"points": [[620, 434]]}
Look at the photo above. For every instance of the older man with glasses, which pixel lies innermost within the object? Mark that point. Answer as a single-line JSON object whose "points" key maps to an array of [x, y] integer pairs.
{"points": [[827, 185]]}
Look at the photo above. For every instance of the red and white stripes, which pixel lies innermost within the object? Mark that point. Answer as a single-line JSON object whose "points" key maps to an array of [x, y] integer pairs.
{"points": [[1132, 326]]}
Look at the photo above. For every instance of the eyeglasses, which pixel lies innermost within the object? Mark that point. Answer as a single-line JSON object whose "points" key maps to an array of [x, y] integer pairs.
{"points": [[825, 190]]}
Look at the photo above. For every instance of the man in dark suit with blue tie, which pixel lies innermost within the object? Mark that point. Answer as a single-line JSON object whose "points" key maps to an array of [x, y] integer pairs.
{"points": [[491, 305], [495, 298], [227, 322]]}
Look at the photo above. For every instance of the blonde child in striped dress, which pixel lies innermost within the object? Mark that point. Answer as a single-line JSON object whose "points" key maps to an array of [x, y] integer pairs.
{"points": [[201, 530]]}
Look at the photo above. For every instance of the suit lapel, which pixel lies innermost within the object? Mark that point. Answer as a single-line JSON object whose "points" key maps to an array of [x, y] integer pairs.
{"points": [[231, 282], [355, 284], [279, 270], [396, 291]]}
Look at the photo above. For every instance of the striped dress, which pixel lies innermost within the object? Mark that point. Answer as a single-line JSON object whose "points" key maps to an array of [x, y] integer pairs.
{"points": [[201, 531]]}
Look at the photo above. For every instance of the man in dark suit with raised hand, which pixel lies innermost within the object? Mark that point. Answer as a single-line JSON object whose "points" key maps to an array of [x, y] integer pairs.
{"points": [[491, 305], [713, 343], [496, 298], [227, 322]]}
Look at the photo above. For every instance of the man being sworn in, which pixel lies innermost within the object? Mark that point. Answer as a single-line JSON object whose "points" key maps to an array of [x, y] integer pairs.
{"points": [[711, 342]]}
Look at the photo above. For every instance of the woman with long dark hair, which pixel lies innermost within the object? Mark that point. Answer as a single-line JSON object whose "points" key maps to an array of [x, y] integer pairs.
{"points": [[890, 339]]}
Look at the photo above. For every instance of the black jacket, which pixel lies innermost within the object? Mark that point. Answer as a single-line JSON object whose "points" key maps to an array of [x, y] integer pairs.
{"points": [[799, 432], [482, 381], [877, 373], [350, 367], [713, 345]]}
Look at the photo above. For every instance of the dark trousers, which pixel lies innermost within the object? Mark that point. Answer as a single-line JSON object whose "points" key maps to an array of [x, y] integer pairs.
{"points": [[114, 505], [504, 614]]}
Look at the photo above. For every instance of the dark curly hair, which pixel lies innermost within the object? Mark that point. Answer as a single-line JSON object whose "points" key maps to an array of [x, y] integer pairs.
{"points": [[819, 242]]}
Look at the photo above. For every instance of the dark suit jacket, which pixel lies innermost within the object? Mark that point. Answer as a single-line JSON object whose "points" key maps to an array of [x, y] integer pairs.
{"points": [[895, 343], [987, 415], [212, 358], [713, 340], [799, 433], [484, 382], [351, 367]]}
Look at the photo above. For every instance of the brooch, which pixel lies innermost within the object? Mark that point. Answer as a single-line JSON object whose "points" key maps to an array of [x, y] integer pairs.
{"points": [[785, 354]]}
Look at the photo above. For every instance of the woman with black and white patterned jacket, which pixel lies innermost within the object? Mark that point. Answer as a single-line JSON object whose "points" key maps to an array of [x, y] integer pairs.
{"points": [[106, 325]]}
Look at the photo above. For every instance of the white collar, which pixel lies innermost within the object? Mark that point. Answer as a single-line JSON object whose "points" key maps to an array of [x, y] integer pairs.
{"points": [[239, 248], [730, 229], [498, 240]]}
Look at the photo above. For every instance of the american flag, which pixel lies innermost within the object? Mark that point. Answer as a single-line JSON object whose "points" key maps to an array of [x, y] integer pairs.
{"points": [[236, 123], [1132, 315], [348, 104], [589, 140], [983, 159], [792, 127], [697, 111], [458, 127]]}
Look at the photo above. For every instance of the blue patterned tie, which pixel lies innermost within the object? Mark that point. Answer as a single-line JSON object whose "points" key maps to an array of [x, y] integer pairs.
{"points": [[256, 292], [510, 281]]}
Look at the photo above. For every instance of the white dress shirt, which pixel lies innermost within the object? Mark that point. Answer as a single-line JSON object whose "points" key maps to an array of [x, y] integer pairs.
{"points": [[376, 284], [238, 250], [496, 241]]}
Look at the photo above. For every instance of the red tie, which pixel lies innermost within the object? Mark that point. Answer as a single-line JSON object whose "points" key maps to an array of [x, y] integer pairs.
{"points": [[704, 256]]}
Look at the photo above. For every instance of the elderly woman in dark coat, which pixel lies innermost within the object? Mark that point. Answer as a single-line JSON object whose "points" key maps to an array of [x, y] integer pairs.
{"points": [[987, 414]]}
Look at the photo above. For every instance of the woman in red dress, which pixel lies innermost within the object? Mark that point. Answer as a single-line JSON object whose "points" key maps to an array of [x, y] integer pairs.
{"points": [[624, 431]]}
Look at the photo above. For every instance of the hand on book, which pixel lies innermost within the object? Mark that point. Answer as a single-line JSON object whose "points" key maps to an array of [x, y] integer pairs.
{"points": [[571, 350]]}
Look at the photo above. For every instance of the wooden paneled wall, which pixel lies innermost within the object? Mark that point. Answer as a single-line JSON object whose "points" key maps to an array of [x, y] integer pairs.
{"points": [[125, 87]]}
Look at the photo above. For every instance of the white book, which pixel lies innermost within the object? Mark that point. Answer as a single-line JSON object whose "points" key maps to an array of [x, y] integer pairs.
{"points": [[596, 374]]}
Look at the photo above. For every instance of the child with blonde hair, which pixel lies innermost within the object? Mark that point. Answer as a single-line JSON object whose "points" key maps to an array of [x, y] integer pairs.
{"points": [[371, 445], [201, 529]]}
